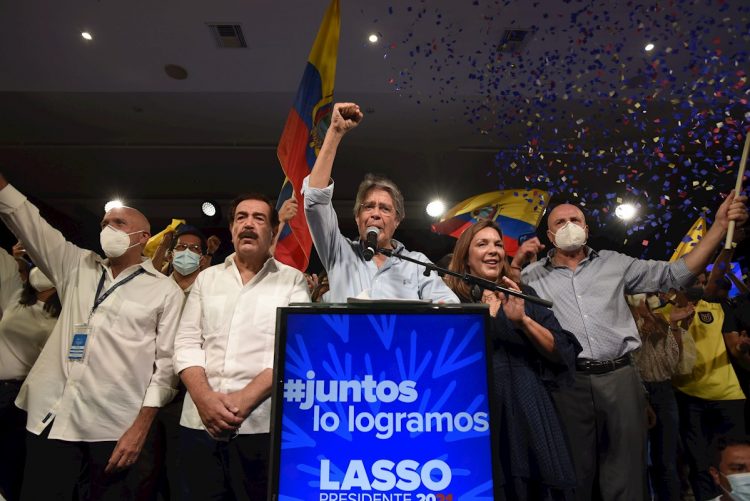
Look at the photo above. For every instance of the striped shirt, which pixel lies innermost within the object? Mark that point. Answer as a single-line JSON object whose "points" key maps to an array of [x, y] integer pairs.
{"points": [[590, 300]]}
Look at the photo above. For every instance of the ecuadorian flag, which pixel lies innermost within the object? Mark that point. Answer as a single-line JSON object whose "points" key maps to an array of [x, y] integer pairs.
{"points": [[303, 134], [518, 212], [690, 240]]}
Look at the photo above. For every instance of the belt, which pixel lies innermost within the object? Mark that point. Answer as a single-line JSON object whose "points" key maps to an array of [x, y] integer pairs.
{"points": [[601, 366]]}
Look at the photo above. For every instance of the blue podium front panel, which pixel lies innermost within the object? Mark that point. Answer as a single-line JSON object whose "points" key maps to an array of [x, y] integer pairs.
{"points": [[379, 405]]}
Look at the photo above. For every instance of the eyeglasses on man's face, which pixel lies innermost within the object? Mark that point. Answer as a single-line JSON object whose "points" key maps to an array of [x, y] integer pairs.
{"points": [[191, 247]]}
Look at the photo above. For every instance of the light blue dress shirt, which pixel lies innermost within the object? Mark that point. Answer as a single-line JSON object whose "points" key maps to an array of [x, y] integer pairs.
{"points": [[590, 301], [349, 274]]}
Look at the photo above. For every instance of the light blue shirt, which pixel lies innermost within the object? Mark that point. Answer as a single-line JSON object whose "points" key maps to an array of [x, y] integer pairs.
{"points": [[349, 274], [590, 301]]}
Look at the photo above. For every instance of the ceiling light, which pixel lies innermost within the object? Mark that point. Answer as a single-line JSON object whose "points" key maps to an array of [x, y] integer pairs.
{"points": [[626, 212], [208, 208], [86, 35], [649, 47], [373, 38], [435, 208], [113, 204]]}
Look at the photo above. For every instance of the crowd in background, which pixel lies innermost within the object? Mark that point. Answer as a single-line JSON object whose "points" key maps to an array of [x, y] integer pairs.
{"points": [[132, 378]]}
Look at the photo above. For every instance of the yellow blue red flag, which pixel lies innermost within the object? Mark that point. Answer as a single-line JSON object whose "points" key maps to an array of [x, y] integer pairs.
{"points": [[303, 134], [518, 212], [690, 240]]}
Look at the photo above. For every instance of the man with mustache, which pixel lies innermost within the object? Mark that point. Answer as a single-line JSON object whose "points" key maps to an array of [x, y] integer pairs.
{"points": [[379, 204], [224, 354]]}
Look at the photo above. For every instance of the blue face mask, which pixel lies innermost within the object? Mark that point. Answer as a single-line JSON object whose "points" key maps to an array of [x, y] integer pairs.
{"points": [[740, 483], [185, 262]]}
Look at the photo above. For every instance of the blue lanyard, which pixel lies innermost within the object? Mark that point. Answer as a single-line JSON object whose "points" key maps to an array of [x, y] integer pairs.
{"points": [[100, 299]]}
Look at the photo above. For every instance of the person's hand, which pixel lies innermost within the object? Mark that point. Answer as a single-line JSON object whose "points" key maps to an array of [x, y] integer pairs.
{"points": [[240, 402], [312, 282], [678, 314], [527, 252], [19, 251], [513, 306], [217, 412], [127, 450], [288, 210], [212, 244], [733, 208], [345, 117]]}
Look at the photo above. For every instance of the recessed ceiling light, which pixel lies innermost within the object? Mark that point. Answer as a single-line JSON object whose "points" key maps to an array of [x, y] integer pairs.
{"points": [[649, 47], [113, 204], [373, 38], [435, 208], [86, 35], [208, 208], [626, 212]]}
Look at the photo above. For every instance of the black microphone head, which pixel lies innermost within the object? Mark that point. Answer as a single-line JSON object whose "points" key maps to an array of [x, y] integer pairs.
{"points": [[370, 247]]}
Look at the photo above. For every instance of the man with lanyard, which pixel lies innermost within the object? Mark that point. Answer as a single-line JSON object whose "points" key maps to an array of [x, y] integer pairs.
{"points": [[95, 389], [224, 353], [605, 411], [378, 208]]}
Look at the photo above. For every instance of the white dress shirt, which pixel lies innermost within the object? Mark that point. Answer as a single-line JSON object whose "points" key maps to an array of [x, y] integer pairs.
{"points": [[229, 330], [23, 329], [10, 280], [128, 361]]}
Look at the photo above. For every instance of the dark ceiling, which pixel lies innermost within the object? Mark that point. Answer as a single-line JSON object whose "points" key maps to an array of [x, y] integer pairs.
{"points": [[577, 108]]}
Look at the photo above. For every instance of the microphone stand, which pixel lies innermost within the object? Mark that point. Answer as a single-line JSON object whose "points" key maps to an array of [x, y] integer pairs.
{"points": [[469, 279]]}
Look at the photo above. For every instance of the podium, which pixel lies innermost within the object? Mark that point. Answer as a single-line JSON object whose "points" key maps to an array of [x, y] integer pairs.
{"points": [[382, 401]]}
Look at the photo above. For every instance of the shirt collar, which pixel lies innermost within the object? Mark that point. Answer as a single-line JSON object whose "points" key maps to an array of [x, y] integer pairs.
{"points": [[590, 254], [145, 263], [269, 263]]}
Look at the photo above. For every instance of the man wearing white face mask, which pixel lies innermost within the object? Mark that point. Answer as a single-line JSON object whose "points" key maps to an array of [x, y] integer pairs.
{"points": [[604, 413], [95, 389], [730, 468]]}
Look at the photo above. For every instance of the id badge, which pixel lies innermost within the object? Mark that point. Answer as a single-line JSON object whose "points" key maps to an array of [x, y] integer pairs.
{"points": [[78, 345]]}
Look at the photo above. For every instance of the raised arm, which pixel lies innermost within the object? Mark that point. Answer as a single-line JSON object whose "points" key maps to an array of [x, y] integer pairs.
{"points": [[46, 246], [345, 117], [160, 253], [732, 209]]}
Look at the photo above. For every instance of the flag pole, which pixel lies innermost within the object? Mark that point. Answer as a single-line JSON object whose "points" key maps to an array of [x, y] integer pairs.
{"points": [[737, 190]]}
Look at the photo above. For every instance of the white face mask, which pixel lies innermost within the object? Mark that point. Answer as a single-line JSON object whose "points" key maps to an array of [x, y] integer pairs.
{"points": [[115, 242], [570, 237], [39, 280], [740, 483]]}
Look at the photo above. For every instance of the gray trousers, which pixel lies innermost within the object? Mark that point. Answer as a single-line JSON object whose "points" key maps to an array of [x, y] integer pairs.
{"points": [[604, 416]]}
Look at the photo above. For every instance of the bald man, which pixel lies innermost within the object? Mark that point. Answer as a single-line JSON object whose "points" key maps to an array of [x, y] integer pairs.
{"points": [[604, 413], [94, 391]]}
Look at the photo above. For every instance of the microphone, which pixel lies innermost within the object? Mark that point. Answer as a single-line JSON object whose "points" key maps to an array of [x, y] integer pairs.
{"points": [[371, 242], [744, 348]]}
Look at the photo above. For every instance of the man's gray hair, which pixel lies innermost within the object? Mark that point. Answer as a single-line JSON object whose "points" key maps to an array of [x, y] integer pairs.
{"points": [[371, 182]]}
